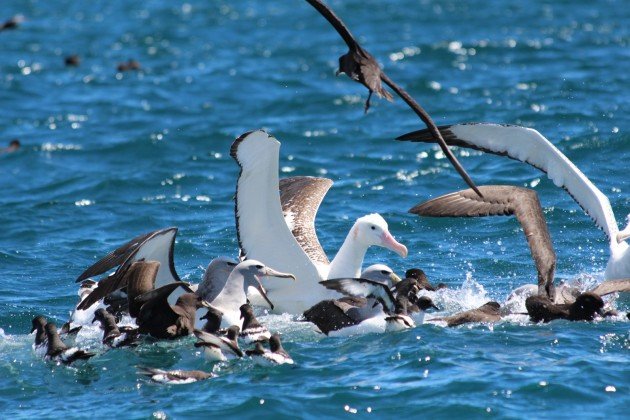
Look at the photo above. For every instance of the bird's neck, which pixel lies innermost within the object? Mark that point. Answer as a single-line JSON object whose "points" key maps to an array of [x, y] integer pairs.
{"points": [[55, 345], [349, 258], [233, 293]]}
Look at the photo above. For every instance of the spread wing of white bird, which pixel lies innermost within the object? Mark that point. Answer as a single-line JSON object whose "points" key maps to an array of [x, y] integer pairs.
{"points": [[262, 231], [357, 287], [301, 197], [529, 146]]}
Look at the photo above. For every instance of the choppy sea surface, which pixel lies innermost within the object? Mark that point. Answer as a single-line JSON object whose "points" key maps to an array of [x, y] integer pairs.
{"points": [[107, 156]]}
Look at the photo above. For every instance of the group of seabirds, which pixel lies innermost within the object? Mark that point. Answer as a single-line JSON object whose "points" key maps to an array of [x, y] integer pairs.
{"points": [[281, 264]]}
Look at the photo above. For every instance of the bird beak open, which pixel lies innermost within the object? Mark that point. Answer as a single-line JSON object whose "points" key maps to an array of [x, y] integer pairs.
{"points": [[388, 241], [270, 272], [258, 285]]}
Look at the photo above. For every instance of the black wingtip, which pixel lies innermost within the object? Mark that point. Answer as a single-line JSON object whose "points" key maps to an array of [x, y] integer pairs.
{"points": [[412, 136]]}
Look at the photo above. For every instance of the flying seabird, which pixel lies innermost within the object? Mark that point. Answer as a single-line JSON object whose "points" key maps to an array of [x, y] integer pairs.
{"points": [[157, 246], [276, 356], [487, 313], [161, 320], [503, 201], [362, 67], [217, 347], [529, 146], [58, 352], [252, 330], [114, 336], [175, 377], [283, 235]]}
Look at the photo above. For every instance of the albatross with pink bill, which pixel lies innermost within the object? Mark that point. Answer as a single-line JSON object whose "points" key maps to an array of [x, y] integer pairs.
{"points": [[281, 234]]}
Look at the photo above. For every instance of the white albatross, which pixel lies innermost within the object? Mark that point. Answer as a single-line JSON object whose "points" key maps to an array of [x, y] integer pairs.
{"points": [[529, 146], [291, 245]]}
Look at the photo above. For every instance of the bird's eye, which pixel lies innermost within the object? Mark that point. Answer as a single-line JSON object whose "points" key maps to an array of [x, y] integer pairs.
{"points": [[259, 267], [373, 227], [385, 272], [231, 264]]}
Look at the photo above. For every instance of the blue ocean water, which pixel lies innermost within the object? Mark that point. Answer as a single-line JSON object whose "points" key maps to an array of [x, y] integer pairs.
{"points": [[107, 156]]}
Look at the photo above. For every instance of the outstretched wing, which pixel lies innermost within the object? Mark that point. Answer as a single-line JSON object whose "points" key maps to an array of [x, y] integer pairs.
{"points": [[261, 229], [499, 200], [158, 246], [529, 146], [337, 23], [301, 197], [612, 286]]}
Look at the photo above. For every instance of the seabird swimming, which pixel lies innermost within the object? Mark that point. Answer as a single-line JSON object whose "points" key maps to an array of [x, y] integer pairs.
{"points": [[58, 352], [161, 320], [234, 294], [114, 336], [213, 319], [12, 23], [217, 347], [487, 313], [362, 67], [276, 356], [40, 346], [14, 146], [585, 308], [503, 201], [175, 377], [529, 146], [252, 330], [287, 241], [157, 246]]}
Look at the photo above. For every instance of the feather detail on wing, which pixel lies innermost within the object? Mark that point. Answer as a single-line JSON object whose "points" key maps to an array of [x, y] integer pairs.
{"points": [[529, 146], [301, 197], [362, 288], [612, 286]]}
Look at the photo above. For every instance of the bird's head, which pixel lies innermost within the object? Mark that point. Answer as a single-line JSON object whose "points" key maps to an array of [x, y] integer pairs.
{"points": [[372, 230]]}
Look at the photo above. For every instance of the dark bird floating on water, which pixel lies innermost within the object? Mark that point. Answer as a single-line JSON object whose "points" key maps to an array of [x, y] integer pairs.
{"points": [[362, 67], [161, 320], [14, 146], [529, 146], [12, 23], [252, 330], [175, 377], [276, 356], [58, 351], [488, 312], [504, 201], [113, 335], [72, 60], [219, 348], [129, 66]]}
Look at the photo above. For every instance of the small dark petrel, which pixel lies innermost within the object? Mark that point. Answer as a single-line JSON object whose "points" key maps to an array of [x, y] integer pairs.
{"points": [[129, 65], [57, 351], [161, 320], [504, 201], [276, 356], [360, 66], [41, 340], [217, 347], [72, 60], [14, 145], [213, 320], [488, 312], [421, 277], [252, 330], [114, 336], [12, 23], [175, 377], [585, 308]]}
